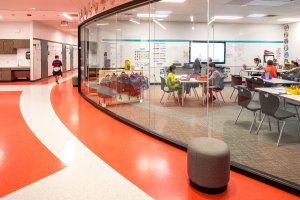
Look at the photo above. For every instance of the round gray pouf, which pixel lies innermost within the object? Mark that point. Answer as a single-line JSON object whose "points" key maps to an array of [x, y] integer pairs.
{"points": [[208, 164]]}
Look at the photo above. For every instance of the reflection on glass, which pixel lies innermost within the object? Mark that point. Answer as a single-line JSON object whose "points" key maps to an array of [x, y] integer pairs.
{"points": [[175, 69]]}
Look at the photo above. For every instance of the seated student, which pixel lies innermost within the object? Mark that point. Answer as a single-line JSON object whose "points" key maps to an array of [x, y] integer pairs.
{"points": [[173, 83], [215, 80], [271, 69], [294, 72], [258, 65]]}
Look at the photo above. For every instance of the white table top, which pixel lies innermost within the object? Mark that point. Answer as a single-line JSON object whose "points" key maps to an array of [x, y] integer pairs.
{"points": [[275, 81], [280, 91], [263, 71], [273, 90], [291, 97]]}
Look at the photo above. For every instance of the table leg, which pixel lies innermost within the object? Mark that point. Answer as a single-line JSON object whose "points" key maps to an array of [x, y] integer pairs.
{"points": [[182, 95]]}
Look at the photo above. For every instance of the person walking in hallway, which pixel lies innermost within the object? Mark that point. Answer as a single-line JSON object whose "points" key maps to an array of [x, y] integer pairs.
{"points": [[56, 64]]}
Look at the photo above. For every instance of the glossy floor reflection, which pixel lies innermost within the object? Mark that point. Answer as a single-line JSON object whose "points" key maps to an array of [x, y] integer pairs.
{"points": [[93, 155]]}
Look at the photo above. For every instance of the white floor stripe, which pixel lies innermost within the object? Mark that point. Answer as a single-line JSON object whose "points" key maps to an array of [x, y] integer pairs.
{"points": [[86, 175]]}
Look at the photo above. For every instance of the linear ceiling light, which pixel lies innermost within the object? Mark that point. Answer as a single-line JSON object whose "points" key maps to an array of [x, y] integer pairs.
{"points": [[173, 1], [192, 18], [144, 15], [289, 20], [32, 8], [134, 21], [159, 24], [67, 16], [257, 15], [103, 24], [228, 17]]}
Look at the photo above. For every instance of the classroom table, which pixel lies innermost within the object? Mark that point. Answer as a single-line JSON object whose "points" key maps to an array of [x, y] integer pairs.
{"points": [[275, 81], [184, 82], [261, 71]]}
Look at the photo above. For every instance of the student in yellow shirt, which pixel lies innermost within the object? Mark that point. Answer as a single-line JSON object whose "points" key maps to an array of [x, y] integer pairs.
{"points": [[173, 83]]}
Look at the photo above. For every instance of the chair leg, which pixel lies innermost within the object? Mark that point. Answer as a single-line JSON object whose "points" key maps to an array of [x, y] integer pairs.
{"points": [[298, 129], [278, 126], [260, 123], [253, 122], [270, 128], [222, 97], [297, 112], [238, 115], [232, 92], [217, 96], [236, 97], [162, 97], [280, 134]]}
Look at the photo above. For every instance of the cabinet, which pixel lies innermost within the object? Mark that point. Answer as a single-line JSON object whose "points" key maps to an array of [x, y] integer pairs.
{"points": [[7, 47], [5, 74], [21, 44]]}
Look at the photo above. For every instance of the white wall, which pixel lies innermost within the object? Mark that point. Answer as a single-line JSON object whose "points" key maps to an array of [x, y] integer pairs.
{"points": [[240, 48], [15, 30], [41, 31], [294, 41]]}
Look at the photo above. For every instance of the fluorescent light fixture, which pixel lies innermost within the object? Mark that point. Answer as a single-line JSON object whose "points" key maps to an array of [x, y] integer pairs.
{"points": [[192, 18], [67, 16], [1, 17], [160, 19], [257, 15], [289, 20], [193, 28], [228, 17], [134, 21], [159, 24], [103, 24], [32, 8], [163, 12], [173, 1], [144, 15]]}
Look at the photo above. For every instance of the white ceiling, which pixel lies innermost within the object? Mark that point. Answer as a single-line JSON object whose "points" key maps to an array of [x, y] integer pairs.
{"points": [[48, 12]]}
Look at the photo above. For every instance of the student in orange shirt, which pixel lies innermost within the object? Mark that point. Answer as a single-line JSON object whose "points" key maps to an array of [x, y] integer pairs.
{"points": [[271, 69]]}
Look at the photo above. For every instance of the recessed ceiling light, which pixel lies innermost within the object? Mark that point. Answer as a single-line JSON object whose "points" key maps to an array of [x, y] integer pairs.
{"points": [[1, 17], [173, 1], [67, 16], [289, 20], [32, 8], [228, 17], [192, 18], [145, 15], [193, 28], [103, 24], [257, 15]]}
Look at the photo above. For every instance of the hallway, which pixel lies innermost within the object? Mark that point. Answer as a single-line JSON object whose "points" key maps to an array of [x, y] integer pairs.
{"points": [[55, 145]]}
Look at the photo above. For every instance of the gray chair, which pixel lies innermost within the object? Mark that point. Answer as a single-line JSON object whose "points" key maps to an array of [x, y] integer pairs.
{"points": [[165, 89], [270, 107], [295, 104], [236, 80], [256, 83], [244, 100]]}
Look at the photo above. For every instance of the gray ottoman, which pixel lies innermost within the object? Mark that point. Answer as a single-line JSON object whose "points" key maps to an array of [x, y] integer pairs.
{"points": [[208, 164], [75, 81]]}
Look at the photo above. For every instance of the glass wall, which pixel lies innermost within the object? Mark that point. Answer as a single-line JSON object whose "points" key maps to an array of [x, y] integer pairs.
{"points": [[173, 68]]}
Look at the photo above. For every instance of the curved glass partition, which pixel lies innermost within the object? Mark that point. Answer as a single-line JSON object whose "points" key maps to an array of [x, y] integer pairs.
{"points": [[186, 69]]}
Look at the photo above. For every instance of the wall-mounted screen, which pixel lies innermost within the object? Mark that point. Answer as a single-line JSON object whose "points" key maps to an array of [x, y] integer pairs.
{"points": [[217, 50]]}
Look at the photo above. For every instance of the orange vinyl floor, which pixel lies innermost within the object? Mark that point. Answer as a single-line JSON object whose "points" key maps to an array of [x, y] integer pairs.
{"points": [[155, 167]]}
